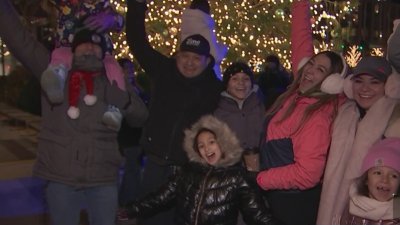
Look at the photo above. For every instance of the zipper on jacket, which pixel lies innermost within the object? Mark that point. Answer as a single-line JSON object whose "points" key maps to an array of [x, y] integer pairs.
{"points": [[203, 187]]}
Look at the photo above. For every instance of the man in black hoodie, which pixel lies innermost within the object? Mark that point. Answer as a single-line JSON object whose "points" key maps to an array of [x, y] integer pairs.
{"points": [[183, 88]]}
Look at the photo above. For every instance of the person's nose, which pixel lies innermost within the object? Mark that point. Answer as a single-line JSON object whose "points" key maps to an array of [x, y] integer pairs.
{"points": [[314, 69], [206, 149], [190, 61], [385, 178], [365, 87], [309, 71]]}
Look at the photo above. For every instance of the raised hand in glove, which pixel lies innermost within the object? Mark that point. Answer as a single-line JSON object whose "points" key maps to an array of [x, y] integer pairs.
{"points": [[104, 21], [202, 5]]}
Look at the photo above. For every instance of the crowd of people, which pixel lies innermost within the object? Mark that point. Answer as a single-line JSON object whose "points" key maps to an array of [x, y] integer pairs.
{"points": [[319, 145]]}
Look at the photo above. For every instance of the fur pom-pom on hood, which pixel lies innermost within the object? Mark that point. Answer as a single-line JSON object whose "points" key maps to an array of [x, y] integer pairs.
{"points": [[227, 140]]}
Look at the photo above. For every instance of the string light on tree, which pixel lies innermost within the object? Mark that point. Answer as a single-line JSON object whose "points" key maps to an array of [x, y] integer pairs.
{"points": [[251, 29]]}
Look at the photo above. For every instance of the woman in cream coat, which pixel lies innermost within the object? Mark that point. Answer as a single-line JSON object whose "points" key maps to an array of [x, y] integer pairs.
{"points": [[371, 113]]}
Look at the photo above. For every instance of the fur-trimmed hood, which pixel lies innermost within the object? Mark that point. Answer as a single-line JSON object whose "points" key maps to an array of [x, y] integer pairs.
{"points": [[227, 140]]}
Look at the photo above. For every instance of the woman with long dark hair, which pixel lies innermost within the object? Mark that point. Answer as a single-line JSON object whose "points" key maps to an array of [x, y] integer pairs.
{"points": [[298, 128]]}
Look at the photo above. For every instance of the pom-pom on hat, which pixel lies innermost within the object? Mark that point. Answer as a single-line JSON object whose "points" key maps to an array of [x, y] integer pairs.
{"points": [[197, 44], [375, 66], [384, 153], [234, 68], [84, 35]]}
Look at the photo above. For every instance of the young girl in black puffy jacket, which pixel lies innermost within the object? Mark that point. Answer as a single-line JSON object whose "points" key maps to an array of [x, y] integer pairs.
{"points": [[212, 188]]}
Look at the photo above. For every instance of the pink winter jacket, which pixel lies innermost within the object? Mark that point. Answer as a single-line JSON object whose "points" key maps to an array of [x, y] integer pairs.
{"points": [[311, 142], [307, 146]]}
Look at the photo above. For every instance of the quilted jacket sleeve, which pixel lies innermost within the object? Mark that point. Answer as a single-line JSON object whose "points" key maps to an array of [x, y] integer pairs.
{"points": [[155, 202], [310, 151], [301, 33], [252, 205]]}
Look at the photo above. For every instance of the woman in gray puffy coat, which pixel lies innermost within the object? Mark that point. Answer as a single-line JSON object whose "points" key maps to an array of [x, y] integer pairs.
{"points": [[212, 188]]}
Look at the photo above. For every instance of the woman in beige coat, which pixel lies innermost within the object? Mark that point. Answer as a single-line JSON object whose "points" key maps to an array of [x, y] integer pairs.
{"points": [[371, 113]]}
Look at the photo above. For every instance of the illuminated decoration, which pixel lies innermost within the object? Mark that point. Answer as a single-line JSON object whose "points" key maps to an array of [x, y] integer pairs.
{"points": [[323, 46], [4, 63], [377, 52], [251, 29], [353, 56]]}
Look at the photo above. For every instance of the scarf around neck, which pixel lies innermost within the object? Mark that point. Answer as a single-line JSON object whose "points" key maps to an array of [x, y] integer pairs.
{"points": [[351, 139], [369, 208]]}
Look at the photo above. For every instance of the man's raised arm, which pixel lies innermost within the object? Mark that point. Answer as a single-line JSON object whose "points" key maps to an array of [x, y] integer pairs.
{"points": [[21, 43]]}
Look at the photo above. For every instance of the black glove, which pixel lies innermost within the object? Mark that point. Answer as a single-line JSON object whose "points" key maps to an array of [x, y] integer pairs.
{"points": [[202, 5]]}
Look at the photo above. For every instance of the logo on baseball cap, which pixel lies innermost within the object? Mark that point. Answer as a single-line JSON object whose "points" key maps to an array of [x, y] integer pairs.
{"points": [[196, 44]]}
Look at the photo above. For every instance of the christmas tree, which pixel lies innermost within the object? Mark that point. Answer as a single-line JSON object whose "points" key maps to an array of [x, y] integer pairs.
{"points": [[251, 29]]}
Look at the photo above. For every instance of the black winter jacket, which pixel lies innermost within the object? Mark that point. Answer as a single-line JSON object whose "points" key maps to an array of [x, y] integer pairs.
{"points": [[176, 102], [204, 194]]}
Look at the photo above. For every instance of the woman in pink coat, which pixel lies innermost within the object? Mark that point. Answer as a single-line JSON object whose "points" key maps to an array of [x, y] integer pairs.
{"points": [[298, 135]]}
